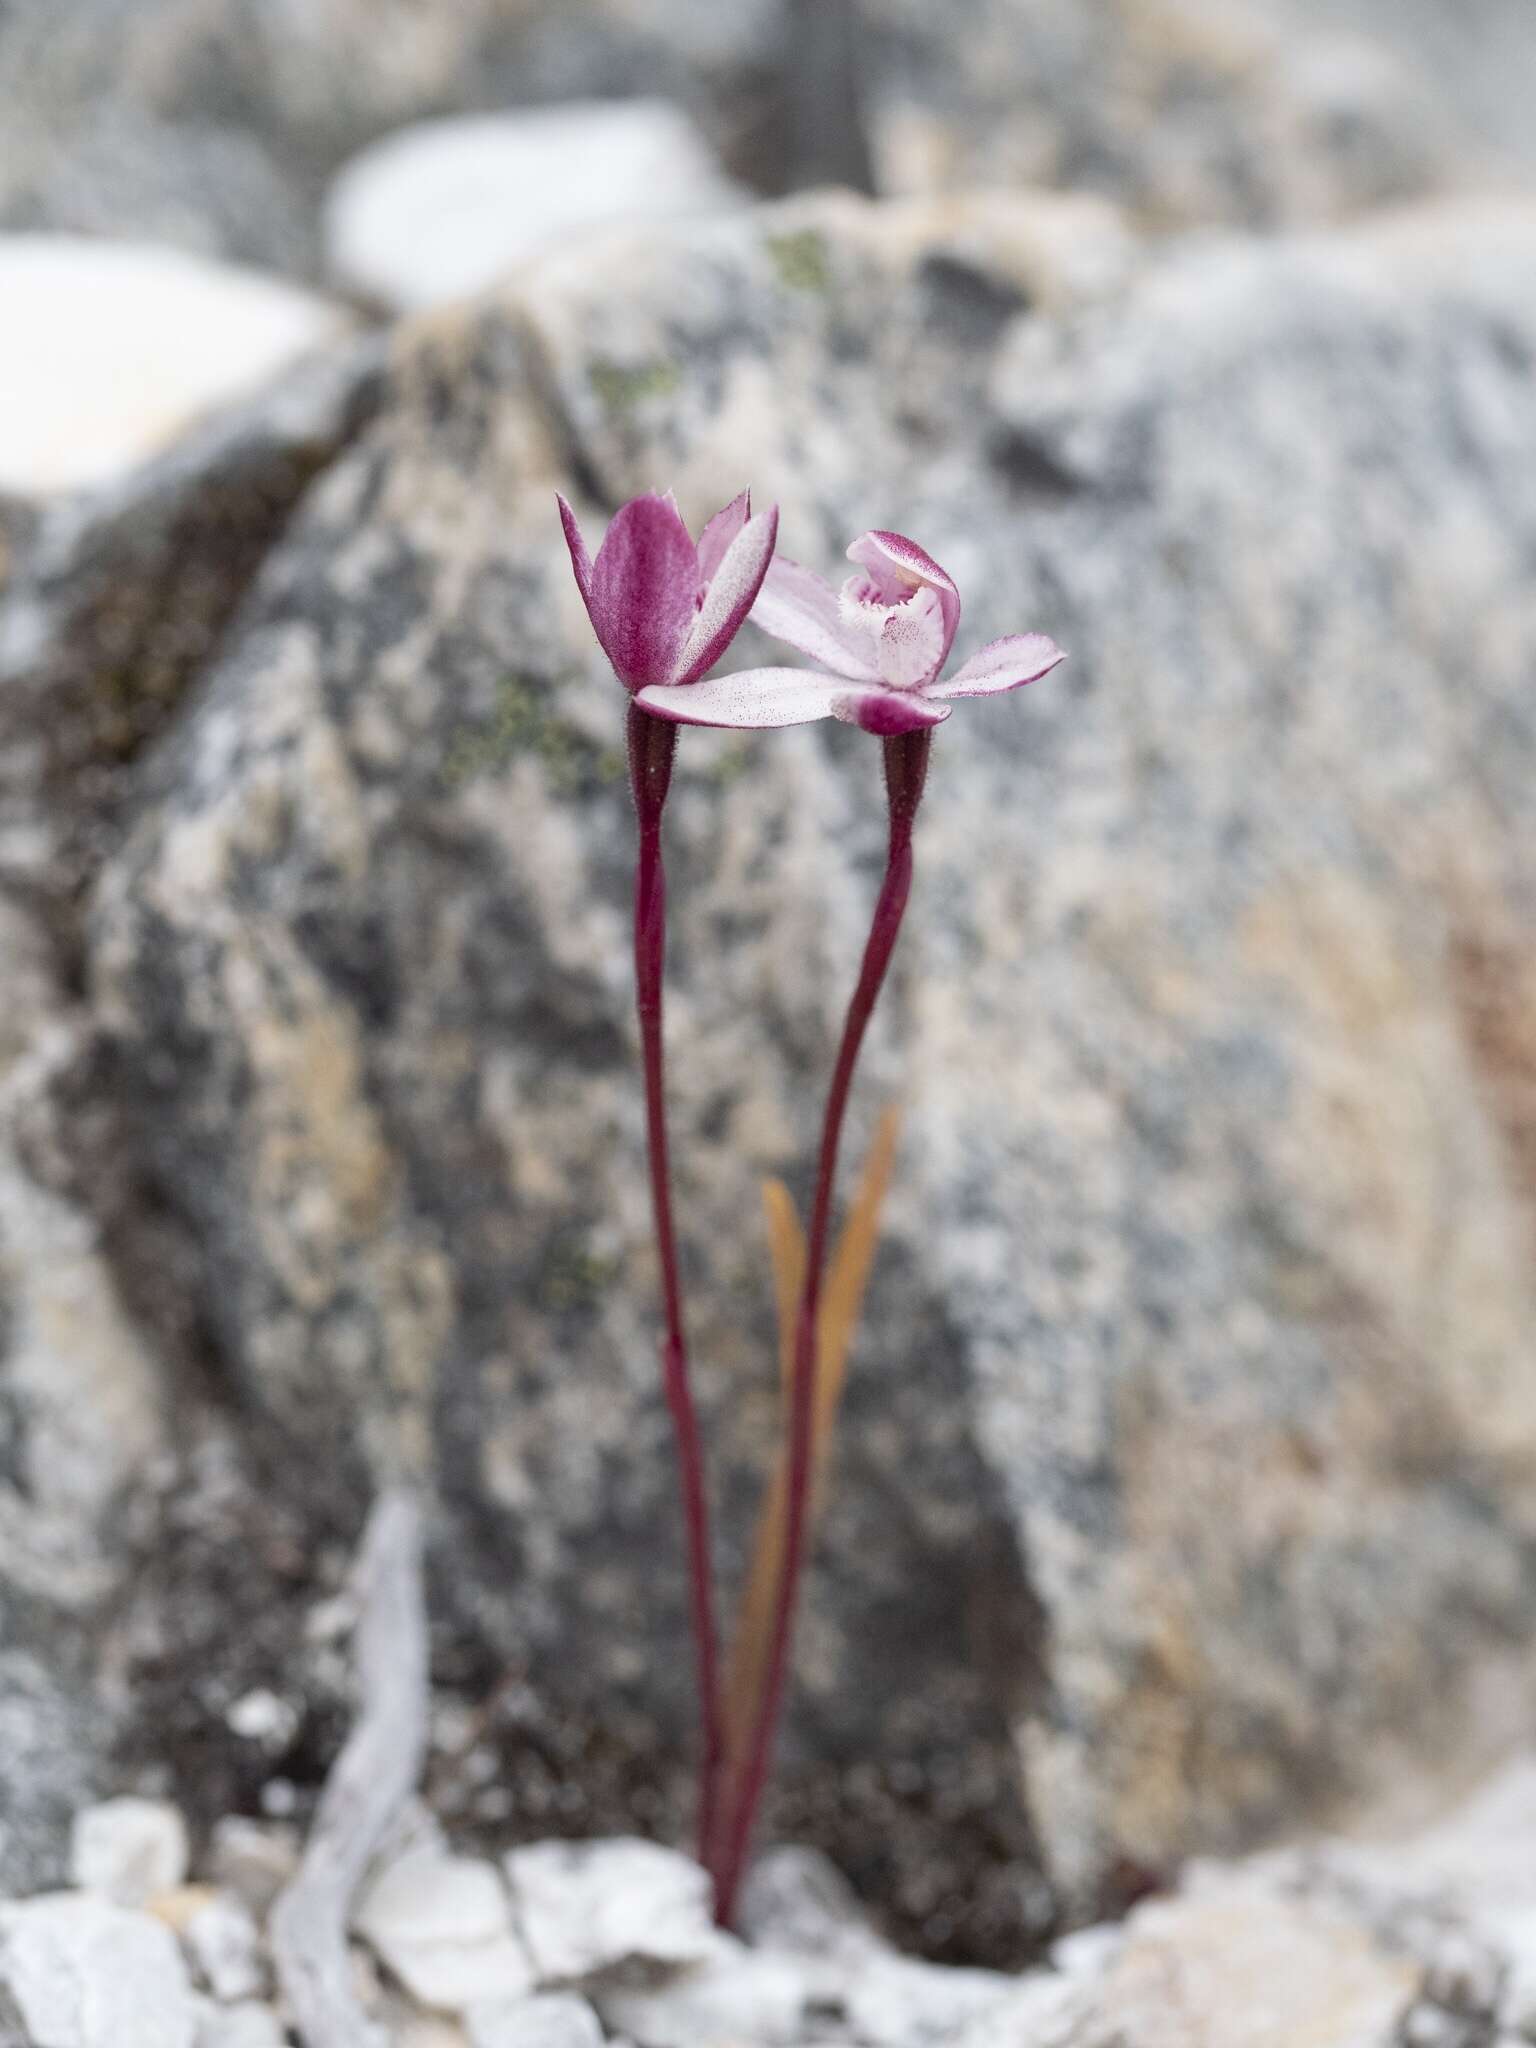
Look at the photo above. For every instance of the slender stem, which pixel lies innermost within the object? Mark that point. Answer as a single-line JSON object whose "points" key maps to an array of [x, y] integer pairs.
{"points": [[652, 745], [906, 767]]}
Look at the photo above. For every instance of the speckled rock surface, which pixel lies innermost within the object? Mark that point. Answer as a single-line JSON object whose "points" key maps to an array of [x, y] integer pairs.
{"points": [[121, 594], [1186, 1486], [83, 1442], [215, 124], [1182, 110], [116, 602]]}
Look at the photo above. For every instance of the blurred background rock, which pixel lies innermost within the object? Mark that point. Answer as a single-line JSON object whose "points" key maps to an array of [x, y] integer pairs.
{"points": [[1188, 1489]]}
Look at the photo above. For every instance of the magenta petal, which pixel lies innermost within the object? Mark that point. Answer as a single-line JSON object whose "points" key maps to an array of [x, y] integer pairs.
{"points": [[797, 607], [719, 532], [729, 597], [757, 698], [896, 563], [581, 561], [1006, 664], [889, 712], [645, 582]]}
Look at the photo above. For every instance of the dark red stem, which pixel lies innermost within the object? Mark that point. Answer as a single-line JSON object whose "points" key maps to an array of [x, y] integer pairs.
{"points": [[906, 768], [652, 745]]}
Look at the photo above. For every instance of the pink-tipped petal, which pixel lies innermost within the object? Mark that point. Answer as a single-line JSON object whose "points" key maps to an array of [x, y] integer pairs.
{"points": [[644, 585], [912, 642], [729, 597], [581, 561], [719, 532], [797, 607], [755, 698], [1006, 664], [889, 712], [895, 564]]}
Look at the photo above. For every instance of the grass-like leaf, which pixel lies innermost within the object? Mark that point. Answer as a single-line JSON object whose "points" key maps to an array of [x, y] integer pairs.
{"points": [[842, 1299]]}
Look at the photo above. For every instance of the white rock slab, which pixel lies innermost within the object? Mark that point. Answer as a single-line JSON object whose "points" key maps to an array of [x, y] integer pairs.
{"points": [[555, 2019], [445, 208], [127, 1850], [108, 350], [86, 1974], [585, 1907], [443, 1925]]}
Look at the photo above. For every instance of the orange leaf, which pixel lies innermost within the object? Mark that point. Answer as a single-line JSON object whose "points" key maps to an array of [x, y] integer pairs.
{"points": [[842, 1298]]}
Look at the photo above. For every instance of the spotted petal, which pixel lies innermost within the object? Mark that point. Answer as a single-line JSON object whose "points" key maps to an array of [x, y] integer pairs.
{"points": [[728, 599], [642, 590], [1005, 664], [756, 698], [895, 564], [797, 607], [912, 640]]}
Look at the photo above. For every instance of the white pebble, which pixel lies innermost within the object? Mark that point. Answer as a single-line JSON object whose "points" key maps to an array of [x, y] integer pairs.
{"points": [[443, 1925], [555, 2020], [239, 2026], [586, 1906], [127, 1850], [260, 1716], [254, 1859], [225, 1947], [86, 1974]]}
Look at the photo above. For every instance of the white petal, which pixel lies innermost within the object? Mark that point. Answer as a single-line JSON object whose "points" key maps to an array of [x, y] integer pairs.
{"points": [[720, 531], [755, 697], [796, 606], [729, 597], [1005, 664]]}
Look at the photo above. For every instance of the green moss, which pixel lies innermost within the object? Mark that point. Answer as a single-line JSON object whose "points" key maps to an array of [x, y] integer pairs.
{"points": [[524, 722], [623, 386], [574, 1278], [801, 260]]}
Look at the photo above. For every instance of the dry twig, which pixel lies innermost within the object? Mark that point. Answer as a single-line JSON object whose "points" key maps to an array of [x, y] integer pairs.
{"points": [[370, 1782]]}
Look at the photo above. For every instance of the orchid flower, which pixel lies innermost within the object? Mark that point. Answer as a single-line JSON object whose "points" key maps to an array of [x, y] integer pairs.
{"points": [[879, 644], [664, 611]]}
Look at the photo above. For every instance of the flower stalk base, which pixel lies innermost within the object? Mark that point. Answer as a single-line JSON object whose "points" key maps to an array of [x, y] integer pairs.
{"points": [[652, 746], [906, 769]]}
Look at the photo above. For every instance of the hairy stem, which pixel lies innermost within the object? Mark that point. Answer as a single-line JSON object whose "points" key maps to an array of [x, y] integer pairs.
{"points": [[906, 767], [652, 745]]}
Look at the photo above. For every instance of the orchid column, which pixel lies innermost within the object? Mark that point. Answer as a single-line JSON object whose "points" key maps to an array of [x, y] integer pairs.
{"points": [[880, 643], [664, 612]]}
